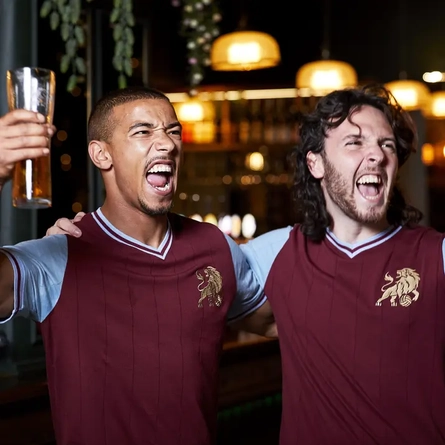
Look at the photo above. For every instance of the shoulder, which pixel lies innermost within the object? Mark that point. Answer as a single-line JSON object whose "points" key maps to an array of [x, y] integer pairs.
{"points": [[49, 246], [422, 233], [261, 252], [270, 242]]}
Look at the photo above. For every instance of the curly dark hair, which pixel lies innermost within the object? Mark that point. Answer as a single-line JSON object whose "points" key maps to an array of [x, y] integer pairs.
{"points": [[330, 112]]}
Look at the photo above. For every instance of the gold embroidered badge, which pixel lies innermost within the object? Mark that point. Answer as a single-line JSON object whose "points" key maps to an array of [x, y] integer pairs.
{"points": [[404, 289], [210, 286]]}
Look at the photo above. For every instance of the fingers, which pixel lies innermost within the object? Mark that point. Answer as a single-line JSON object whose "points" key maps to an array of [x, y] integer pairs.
{"points": [[27, 129], [10, 157], [17, 116], [64, 226], [78, 217]]}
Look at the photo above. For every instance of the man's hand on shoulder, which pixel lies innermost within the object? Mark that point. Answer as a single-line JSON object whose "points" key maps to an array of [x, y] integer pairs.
{"points": [[65, 226]]}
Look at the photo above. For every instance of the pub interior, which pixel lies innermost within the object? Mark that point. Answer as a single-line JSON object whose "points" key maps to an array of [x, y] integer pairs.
{"points": [[237, 169]]}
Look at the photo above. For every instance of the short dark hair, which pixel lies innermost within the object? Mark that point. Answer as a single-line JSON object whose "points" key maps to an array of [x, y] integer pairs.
{"points": [[331, 111], [100, 122]]}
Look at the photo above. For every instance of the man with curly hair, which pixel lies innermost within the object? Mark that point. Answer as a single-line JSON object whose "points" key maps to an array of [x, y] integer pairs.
{"points": [[358, 287]]}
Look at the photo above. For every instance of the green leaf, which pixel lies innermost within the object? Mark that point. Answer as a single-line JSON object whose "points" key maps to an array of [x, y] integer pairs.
{"points": [[72, 82], [122, 81], [119, 48], [114, 17], [54, 20], [61, 4], [71, 47], [129, 36], [65, 63], [127, 67], [117, 32], [130, 19], [80, 65], [117, 63], [66, 14], [65, 31], [75, 11], [127, 5], [128, 51], [46, 8], [80, 35], [117, 3]]}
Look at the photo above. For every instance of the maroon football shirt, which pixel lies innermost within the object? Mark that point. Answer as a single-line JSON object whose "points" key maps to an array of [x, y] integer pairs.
{"points": [[134, 341], [362, 335]]}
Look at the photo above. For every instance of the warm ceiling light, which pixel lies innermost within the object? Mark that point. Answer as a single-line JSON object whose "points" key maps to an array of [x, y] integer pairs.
{"points": [[427, 154], [410, 94], [195, 110], [436, 107], [323, 76], [244, 51], [433, 77]]}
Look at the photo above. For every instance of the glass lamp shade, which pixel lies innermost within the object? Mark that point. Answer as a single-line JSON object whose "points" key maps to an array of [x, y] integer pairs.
{"points": [[195, 110], [410, 94], [244, 51], [436, 108], [324, 76]]}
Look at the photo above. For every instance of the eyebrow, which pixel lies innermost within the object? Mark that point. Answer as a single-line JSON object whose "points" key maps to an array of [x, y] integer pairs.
{"points": [[359, 136], [149, 125]]}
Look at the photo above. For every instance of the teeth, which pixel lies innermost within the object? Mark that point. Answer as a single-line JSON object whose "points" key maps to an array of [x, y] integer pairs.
{"points": [[163, 189], [160, 168], [370, 179]]}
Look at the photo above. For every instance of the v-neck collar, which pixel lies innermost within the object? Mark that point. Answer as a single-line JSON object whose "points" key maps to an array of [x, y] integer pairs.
{"points": [[120, 237], [354, 249]]}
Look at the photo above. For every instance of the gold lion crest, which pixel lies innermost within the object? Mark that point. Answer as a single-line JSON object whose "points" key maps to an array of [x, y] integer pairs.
{"points": [[404, 290], [210, 286]]}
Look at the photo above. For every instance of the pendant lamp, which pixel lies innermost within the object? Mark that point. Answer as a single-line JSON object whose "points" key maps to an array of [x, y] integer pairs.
{"points": [[436, 109], [244, 51], [324, 76], [410, 94]]}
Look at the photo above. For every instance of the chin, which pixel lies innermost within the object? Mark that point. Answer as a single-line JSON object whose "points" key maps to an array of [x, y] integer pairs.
{"points": [[158, 210]]}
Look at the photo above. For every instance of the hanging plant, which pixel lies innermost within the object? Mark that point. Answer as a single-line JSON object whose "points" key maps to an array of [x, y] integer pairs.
{"points": [[67, 16], [199, 26]]}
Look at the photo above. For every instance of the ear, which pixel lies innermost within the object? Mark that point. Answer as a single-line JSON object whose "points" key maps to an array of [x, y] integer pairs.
{"points": [[100, 154], [315, 164]]}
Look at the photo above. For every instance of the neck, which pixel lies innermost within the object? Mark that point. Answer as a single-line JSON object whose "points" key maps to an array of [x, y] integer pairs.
{"points": [[350, 231], [147, 229]]}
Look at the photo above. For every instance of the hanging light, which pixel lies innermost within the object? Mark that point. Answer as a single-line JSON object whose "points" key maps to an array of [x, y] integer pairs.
{"points": [[323, 76], [244, 51], [195, 110], [410, 94], [197, 119], [436, 107]]}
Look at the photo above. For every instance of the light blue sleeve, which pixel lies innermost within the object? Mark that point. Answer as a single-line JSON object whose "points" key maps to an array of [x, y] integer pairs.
{"points": [[249, 295], [39, 268], [262, 251]]}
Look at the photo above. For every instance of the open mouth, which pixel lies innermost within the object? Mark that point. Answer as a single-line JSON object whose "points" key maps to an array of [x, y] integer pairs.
{"points": [[159, 177], [370, 187]]}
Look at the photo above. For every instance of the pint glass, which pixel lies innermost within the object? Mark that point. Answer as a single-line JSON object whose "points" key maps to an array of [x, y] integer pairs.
{"points": [[32, 89]]}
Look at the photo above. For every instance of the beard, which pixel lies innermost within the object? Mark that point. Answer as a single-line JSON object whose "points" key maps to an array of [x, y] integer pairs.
{"points": [[338, 189], [158, 211]]}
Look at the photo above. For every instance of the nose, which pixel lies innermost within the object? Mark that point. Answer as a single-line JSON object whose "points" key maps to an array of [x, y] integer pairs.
{"points": [[375, 154], [164, 143]]}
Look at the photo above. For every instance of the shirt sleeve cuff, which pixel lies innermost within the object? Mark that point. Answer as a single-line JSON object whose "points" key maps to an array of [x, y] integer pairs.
{"points": [[18, 286]]}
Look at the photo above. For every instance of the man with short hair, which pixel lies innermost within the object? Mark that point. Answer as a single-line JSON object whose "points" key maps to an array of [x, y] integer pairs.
{"points": [[134, 311]]}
